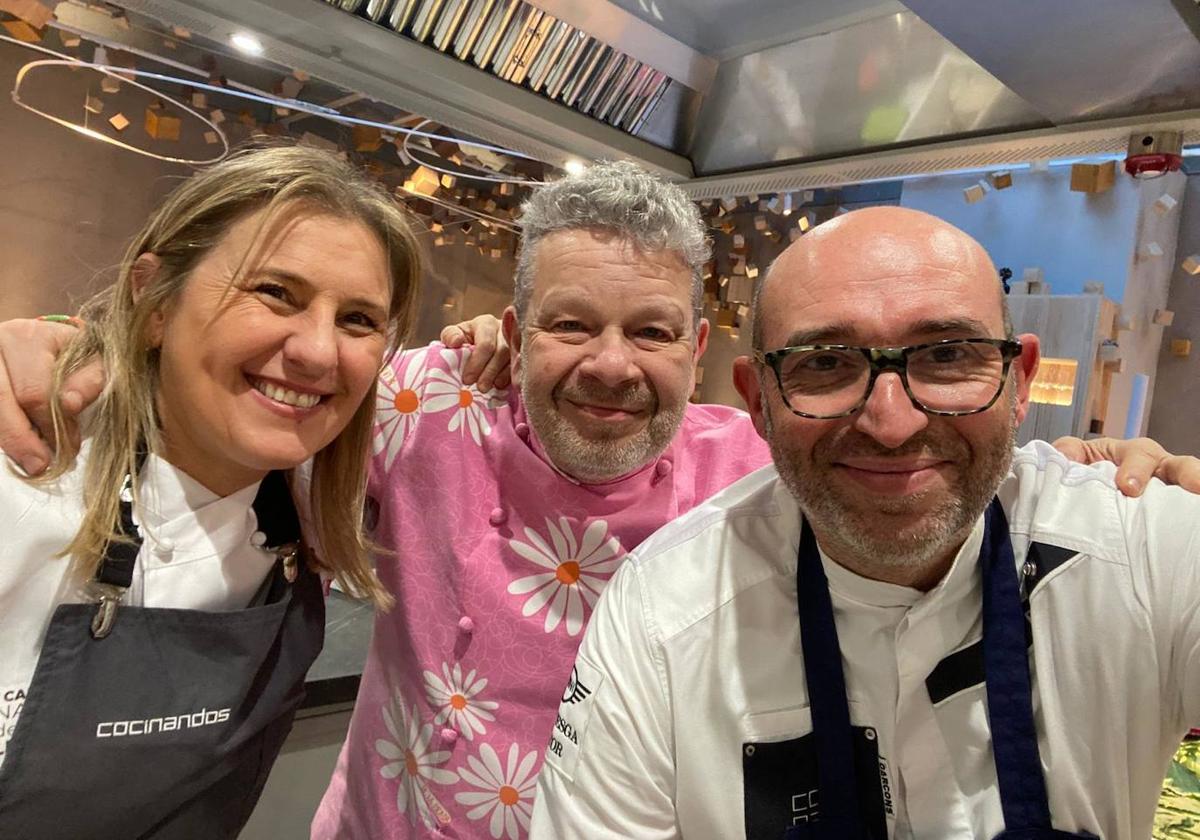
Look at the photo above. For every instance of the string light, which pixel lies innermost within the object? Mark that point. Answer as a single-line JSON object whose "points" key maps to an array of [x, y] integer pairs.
{"points": [[246, 43], [108, 70], [292, 104]]}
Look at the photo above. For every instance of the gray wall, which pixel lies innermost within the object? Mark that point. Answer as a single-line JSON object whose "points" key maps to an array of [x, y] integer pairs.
{"points": [[68, 204], [1175, 410], [460, 283]]}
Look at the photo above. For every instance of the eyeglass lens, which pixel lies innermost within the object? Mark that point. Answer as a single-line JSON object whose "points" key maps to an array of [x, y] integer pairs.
{"points": [[955, 376]]}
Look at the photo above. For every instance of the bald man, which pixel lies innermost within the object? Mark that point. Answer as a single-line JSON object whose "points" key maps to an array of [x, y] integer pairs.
{"points": [[903, 628]]}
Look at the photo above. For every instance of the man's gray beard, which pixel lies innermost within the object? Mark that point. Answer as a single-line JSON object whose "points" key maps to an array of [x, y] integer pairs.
{"points": [[596, 461], [846, 528]]}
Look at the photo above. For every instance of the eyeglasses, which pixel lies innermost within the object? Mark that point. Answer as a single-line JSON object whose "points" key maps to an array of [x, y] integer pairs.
{"points": [[948, 378]]}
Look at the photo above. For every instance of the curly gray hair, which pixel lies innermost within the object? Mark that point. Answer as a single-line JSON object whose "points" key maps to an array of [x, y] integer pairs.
{"points": [[616, 196]]}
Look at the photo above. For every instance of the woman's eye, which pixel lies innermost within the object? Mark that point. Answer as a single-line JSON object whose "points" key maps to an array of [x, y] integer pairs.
{"points": [[272, 290], [361, 320]]}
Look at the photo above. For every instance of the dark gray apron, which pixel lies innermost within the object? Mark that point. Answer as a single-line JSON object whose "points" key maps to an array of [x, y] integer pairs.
{"points": [[162, 723]]}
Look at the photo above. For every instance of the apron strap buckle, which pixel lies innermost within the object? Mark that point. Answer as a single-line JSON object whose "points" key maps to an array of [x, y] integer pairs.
{"points": [[108, 598], [289, 556]]}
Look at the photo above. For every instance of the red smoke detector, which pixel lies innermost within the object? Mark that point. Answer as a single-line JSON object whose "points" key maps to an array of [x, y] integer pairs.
{"points": [[1153, 154]]}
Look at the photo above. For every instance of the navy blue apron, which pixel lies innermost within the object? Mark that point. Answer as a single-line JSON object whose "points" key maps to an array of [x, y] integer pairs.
{"points": [[1023, 799], [162, 723]]}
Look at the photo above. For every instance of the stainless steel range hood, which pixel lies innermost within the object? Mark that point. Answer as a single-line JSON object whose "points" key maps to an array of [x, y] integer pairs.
{"points": [[739, 96], [1076, 60], [887, 80], [335, 43], [520, 43]]}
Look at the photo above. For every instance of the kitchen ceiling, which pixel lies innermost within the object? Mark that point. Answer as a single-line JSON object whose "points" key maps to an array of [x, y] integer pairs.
{"points": [[720, 93]]}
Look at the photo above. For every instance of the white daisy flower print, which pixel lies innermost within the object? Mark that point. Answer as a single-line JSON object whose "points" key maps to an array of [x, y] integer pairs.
{"points": [[444, 390], [456, 697], [504, 793], [410, 759], [397, 407], [576, 571]]}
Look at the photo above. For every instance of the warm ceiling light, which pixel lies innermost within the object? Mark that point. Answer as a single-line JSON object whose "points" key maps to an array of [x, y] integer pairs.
{"points": [[244, 42], [1055, 382], [574, 167]]}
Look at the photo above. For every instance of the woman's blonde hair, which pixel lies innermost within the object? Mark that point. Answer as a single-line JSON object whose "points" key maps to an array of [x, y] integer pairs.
{"points": [[192, 220]]}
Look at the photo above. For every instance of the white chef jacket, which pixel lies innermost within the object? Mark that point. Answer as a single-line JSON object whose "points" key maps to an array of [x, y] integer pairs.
{"points": [[197, 553], [692, 663]]}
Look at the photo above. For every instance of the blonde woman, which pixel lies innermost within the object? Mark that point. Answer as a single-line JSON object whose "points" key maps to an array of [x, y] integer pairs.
{"points": [[157, 604]]}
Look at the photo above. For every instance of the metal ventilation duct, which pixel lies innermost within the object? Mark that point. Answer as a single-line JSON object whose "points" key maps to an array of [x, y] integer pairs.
{"points": [[348, 51], [524, 45]]}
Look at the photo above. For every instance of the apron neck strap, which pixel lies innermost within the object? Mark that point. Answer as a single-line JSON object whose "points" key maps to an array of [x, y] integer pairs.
{"points": [[273, 508], [116, 566], [1009, 688], [276, 511], [832, 734], [1006, 665]]}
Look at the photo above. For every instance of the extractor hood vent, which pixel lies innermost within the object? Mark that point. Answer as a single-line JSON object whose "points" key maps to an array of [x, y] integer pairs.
{"points": [[526, 46], [972, 154]]}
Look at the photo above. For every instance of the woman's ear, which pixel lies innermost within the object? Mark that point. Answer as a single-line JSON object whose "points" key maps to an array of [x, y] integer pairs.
{"points": [[144, 271], [145, 268]]}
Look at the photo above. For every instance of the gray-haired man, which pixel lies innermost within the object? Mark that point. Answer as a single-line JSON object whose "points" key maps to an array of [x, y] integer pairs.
{"points": [[509, 513]]}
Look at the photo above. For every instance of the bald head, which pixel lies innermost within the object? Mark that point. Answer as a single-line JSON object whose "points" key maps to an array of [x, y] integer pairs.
{"points": [[855, 270], [891, 487]]}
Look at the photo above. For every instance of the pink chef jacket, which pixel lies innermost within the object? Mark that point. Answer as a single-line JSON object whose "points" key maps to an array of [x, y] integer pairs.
{"points": [[499, 559]]}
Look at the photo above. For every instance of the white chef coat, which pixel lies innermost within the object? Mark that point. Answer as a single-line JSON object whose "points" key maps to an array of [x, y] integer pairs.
{"points": [[692, 658], [197, 553]]}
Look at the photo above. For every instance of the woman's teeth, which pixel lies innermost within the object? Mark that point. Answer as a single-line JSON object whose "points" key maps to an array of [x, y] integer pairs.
{"points": [[287, 397]]}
